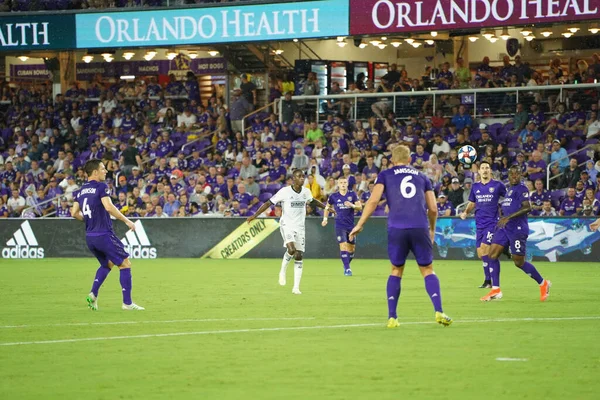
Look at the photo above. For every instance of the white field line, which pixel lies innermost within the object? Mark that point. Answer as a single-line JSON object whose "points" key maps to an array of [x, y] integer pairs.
{"points": [[174, 321], [177, 321], [279, 329], [510, 359]]}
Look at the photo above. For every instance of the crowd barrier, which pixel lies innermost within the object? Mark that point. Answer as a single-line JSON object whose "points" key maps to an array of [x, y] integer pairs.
{"points": [[553, 239]]}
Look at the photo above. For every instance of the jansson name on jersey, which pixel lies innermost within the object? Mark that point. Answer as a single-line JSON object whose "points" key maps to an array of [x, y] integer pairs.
{"points": [[298, 204]]}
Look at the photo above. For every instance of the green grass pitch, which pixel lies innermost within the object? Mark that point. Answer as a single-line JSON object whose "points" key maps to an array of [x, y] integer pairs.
{"points": [[227, 330]]}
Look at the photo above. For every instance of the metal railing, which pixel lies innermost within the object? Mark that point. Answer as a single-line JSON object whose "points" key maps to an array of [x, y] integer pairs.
{"points": [[482, 102], [37, 206], [274, 104], [557, 162]]}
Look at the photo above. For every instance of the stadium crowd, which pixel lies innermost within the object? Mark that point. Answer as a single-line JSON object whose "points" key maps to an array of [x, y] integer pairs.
{"points": [[178, 158]]}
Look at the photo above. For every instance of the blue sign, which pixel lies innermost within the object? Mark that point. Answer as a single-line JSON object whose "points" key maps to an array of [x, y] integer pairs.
{"points": [[548, 237], [207, 25]]}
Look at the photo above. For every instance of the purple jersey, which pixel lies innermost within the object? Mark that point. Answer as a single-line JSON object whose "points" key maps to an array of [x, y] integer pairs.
{"points": [[404, 189], [344, 217], [570, 206], [486, 198], [515, 196], [97, 219]]}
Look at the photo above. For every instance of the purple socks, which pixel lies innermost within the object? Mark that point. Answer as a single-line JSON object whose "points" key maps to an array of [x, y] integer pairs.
{"points": [[486, 269], [494, 271], [530, 270], [101, 275], [393, 295], [125, 280], [432, 286], [345, 256]]}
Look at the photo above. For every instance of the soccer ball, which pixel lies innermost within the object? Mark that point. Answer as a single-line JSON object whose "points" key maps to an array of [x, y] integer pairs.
{"points": [[467, 155]]}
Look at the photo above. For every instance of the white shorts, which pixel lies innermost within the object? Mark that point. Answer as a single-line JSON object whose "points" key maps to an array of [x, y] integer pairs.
{"points": [[293, 235]]}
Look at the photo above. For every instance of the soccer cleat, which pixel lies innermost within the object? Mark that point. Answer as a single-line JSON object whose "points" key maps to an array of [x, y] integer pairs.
{"points": [[92, 302], [132, 306], [296, 291], [393, 323], [348, 272], [282, 279], [486, 285], [494, 294], [443, 319], [545, 290]]}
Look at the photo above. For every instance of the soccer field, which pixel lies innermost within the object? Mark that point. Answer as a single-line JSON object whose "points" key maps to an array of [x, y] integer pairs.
{"points": [[227, 330]]}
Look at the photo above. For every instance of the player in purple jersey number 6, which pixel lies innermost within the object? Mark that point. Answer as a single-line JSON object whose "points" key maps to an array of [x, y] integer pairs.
{"points": [[513, 230], [411, 227], [94, 206], [345, 204]]}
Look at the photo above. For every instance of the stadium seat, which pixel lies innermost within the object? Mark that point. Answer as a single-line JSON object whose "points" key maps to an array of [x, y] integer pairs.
{"points": [[264, 197]]}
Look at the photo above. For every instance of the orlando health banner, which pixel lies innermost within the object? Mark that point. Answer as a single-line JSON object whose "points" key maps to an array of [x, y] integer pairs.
{"points": [[390, 16], [210, 25]]}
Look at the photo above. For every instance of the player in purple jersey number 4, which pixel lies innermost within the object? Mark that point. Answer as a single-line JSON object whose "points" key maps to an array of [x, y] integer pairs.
{"points": [[345, 204], [513, 230], [411, 227], [94, 206], [484, 198]]}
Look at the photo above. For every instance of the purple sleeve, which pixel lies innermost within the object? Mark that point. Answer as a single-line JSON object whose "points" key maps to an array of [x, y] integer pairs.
{"points": [[380, 179], [502, 191], [562, 205], [103, 190], [330, 200], [427, 186], [472, 196]]}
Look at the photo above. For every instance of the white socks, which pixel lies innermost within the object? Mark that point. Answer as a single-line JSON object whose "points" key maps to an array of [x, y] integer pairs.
{"points": [[297, 274], [284, 263]]}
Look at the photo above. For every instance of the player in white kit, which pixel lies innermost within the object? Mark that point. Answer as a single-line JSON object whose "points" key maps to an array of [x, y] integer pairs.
{"points": [[293, 201]]}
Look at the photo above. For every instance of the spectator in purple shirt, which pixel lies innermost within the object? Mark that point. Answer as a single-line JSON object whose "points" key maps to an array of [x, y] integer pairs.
{"points": [[444, 206], [419, 157], [536, 167], [570, 205], [538, 197]]}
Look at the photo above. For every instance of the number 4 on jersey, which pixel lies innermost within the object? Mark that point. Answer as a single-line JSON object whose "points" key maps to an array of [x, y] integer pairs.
{"points": [[86, 209]]}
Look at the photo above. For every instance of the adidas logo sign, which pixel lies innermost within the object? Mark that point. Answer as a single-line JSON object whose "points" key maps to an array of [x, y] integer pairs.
{"points": [[23, 244], [137, 244]]}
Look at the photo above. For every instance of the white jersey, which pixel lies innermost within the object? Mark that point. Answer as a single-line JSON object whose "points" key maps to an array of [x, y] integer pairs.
{"points": [[293, 206]]}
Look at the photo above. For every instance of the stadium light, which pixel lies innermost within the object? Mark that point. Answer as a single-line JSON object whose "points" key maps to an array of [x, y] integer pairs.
{"points": [[375, 42], [87, 59], [213, 53], [23, 58], [573, 28], [193, 55], [546, 32], [416, 44], [529, 38], [493, 39], [488, 33], [473, 38], [362, 45], [409, 40], [342, 44], [594, 28], [430, 42], [526, 31], [434, 33], [396, 43], [567, 34], [127, 77], [171, 55], [382, 46], [128, 55], [505, 35]]}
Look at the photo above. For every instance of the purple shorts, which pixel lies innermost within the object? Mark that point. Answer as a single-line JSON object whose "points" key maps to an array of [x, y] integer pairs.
{"points": [[343, 235], [516, 240], [485, 235], [107, 248], [417, 240]]}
